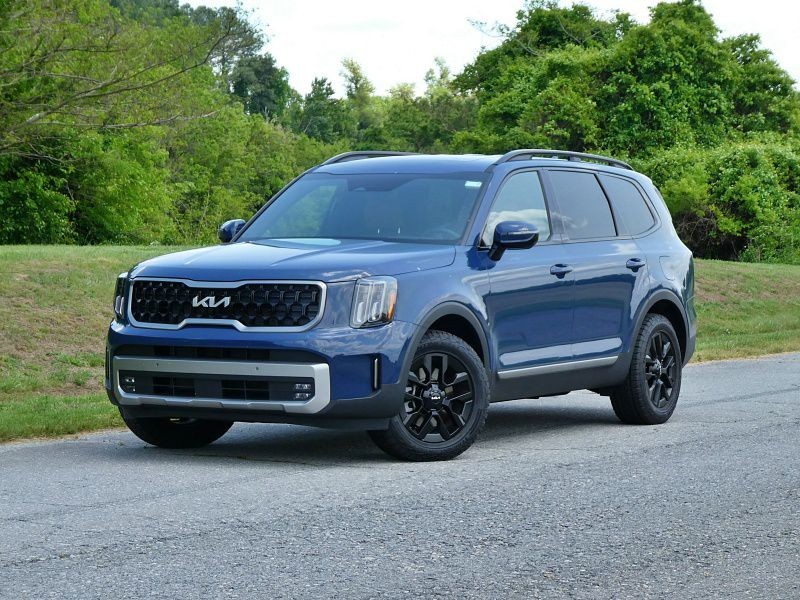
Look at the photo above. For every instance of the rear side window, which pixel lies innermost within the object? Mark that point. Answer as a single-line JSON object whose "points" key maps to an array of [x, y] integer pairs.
{"points": [[520, 199], [629, 204], [584, 207]]}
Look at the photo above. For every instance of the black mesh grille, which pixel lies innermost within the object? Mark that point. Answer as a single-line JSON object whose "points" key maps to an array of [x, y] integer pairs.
{"points": [[252, 304], [173, 386]]}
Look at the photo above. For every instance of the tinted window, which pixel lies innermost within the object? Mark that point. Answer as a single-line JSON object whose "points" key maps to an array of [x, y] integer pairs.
{"points": [[629, 203], [583, 205], [375, 206], [520, 199]]}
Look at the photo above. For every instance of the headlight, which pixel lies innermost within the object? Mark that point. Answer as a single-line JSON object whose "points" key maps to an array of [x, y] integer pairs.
{"points": [[373, 302], [119, 295]]}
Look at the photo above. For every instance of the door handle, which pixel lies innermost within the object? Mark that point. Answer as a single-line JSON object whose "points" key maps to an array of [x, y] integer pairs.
{"points": [[634, 264], [560, 270]]}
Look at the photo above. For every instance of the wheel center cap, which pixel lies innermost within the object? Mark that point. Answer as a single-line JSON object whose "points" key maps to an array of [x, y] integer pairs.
{"points": [[658, 368], [434, 396]]}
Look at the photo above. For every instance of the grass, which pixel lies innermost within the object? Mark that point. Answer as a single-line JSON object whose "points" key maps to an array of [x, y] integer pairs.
{"points": [[746, 309], [55, 305]]}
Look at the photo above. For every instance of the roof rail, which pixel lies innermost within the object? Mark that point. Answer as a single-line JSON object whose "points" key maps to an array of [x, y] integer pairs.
{"points": [[360, 154], [573, 156]]}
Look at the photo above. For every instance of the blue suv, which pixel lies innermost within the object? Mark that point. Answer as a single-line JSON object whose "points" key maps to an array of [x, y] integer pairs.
{"points": [[401, 294]]}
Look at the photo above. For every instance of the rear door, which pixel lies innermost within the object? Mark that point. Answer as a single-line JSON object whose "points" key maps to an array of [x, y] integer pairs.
{"points": [[609, 269]]}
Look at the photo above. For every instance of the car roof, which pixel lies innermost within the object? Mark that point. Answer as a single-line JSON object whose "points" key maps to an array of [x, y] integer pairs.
{"points": [[412, 163], [449, 163]]}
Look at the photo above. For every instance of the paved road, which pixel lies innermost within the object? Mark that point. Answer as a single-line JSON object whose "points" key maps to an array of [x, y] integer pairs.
{"points": [[555, 500]]}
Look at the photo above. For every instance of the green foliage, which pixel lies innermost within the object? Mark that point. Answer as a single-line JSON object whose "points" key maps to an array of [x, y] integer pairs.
{"points": [[32, 209], [262, 86], [141, 121], [546, 103], [542, 26], [121, 186], [324, 117], [668, 83], [763, 96], [734, 201], [669, 95]]}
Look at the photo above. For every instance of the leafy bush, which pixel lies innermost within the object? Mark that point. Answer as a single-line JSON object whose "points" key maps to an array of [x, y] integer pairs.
{"points": [[32, 209], [737, 201]]}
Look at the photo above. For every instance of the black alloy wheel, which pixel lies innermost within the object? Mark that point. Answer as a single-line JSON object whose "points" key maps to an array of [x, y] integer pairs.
{"points": [[660, 364], [439, 397], [445, 403], [649, 394]]}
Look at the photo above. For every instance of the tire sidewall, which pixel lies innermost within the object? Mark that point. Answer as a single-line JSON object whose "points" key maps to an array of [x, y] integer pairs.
{"points": [[645, 405]]}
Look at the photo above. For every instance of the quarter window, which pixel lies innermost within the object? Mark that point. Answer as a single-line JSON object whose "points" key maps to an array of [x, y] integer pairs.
{"points": [[520, 199], [583, 205], [629, 204]]}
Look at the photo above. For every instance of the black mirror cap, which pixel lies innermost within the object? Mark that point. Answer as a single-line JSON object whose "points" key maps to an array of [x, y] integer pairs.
{"points": [[228, 230], [512, 235]]}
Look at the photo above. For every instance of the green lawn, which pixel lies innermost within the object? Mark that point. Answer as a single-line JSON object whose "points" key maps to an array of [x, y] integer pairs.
{"points": [[55, 304]]}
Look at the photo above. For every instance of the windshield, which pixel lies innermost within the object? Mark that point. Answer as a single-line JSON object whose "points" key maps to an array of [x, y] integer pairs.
{"points": [[399, 207]]}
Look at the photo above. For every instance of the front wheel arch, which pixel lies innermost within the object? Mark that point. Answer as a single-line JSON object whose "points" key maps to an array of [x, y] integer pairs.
{"points": [[451, 310]]}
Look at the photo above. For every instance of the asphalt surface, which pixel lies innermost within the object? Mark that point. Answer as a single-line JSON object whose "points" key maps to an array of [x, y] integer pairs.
{"points": [[557, 499]]}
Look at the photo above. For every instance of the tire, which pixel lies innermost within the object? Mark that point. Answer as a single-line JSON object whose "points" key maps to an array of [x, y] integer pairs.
{"points": [[650, 393], [176, 433], [446, 402]]}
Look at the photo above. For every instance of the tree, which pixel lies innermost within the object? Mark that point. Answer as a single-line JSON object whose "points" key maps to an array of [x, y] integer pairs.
{"points": [[243, 40], [324, 117], [668, 82], [262, 86], [359, 93], [83, 65], [763, 94], [541, 26]]}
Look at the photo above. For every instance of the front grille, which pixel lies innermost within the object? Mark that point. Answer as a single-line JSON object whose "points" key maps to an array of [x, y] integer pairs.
{"points": [[251, 304], [173, 386]]}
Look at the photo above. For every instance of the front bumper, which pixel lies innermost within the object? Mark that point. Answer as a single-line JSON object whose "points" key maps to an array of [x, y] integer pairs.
{"points": [[254, 371], [357, 374]]}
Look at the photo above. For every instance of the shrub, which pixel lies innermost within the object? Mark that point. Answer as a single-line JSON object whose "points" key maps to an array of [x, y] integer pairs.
{"points": [[738, 201]]}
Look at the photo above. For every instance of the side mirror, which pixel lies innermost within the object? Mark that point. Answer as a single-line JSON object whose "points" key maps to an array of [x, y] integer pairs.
{"points": [[228, 230], [512, 235]]}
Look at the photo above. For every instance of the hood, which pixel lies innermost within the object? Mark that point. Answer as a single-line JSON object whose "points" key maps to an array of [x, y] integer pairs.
{"points": [[325, 260]]}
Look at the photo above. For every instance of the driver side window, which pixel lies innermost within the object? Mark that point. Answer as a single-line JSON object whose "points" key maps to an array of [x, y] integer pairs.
{"points": [[520, 199]]}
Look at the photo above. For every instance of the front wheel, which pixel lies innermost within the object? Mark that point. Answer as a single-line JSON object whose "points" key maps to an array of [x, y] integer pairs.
{"points": [[176, 433], [650, 393], [445, 405]]}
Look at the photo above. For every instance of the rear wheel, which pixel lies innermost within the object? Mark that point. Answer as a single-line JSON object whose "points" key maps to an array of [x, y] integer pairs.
{"points": [[176, 433], [650, 393], [445, 405]]}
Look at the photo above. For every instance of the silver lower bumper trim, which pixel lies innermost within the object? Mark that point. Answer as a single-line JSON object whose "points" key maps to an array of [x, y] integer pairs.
{"points": [[319, 372]]}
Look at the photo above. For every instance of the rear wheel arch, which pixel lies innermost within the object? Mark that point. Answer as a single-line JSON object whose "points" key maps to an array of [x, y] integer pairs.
{"points": [[667, 305]]}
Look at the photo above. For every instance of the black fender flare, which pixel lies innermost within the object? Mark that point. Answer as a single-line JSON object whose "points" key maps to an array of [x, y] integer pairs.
{"points": [[670, 297], [443, 310]]}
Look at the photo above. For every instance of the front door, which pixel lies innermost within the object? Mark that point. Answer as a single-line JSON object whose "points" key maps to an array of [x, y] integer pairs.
{"points": [[530, 298]]}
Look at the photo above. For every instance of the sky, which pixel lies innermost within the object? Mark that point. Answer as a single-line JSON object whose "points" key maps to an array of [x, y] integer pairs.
{"points": [[396, 42]]}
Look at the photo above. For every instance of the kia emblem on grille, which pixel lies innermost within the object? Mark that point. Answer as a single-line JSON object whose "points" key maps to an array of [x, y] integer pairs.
{"points": [[210, 301]]}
